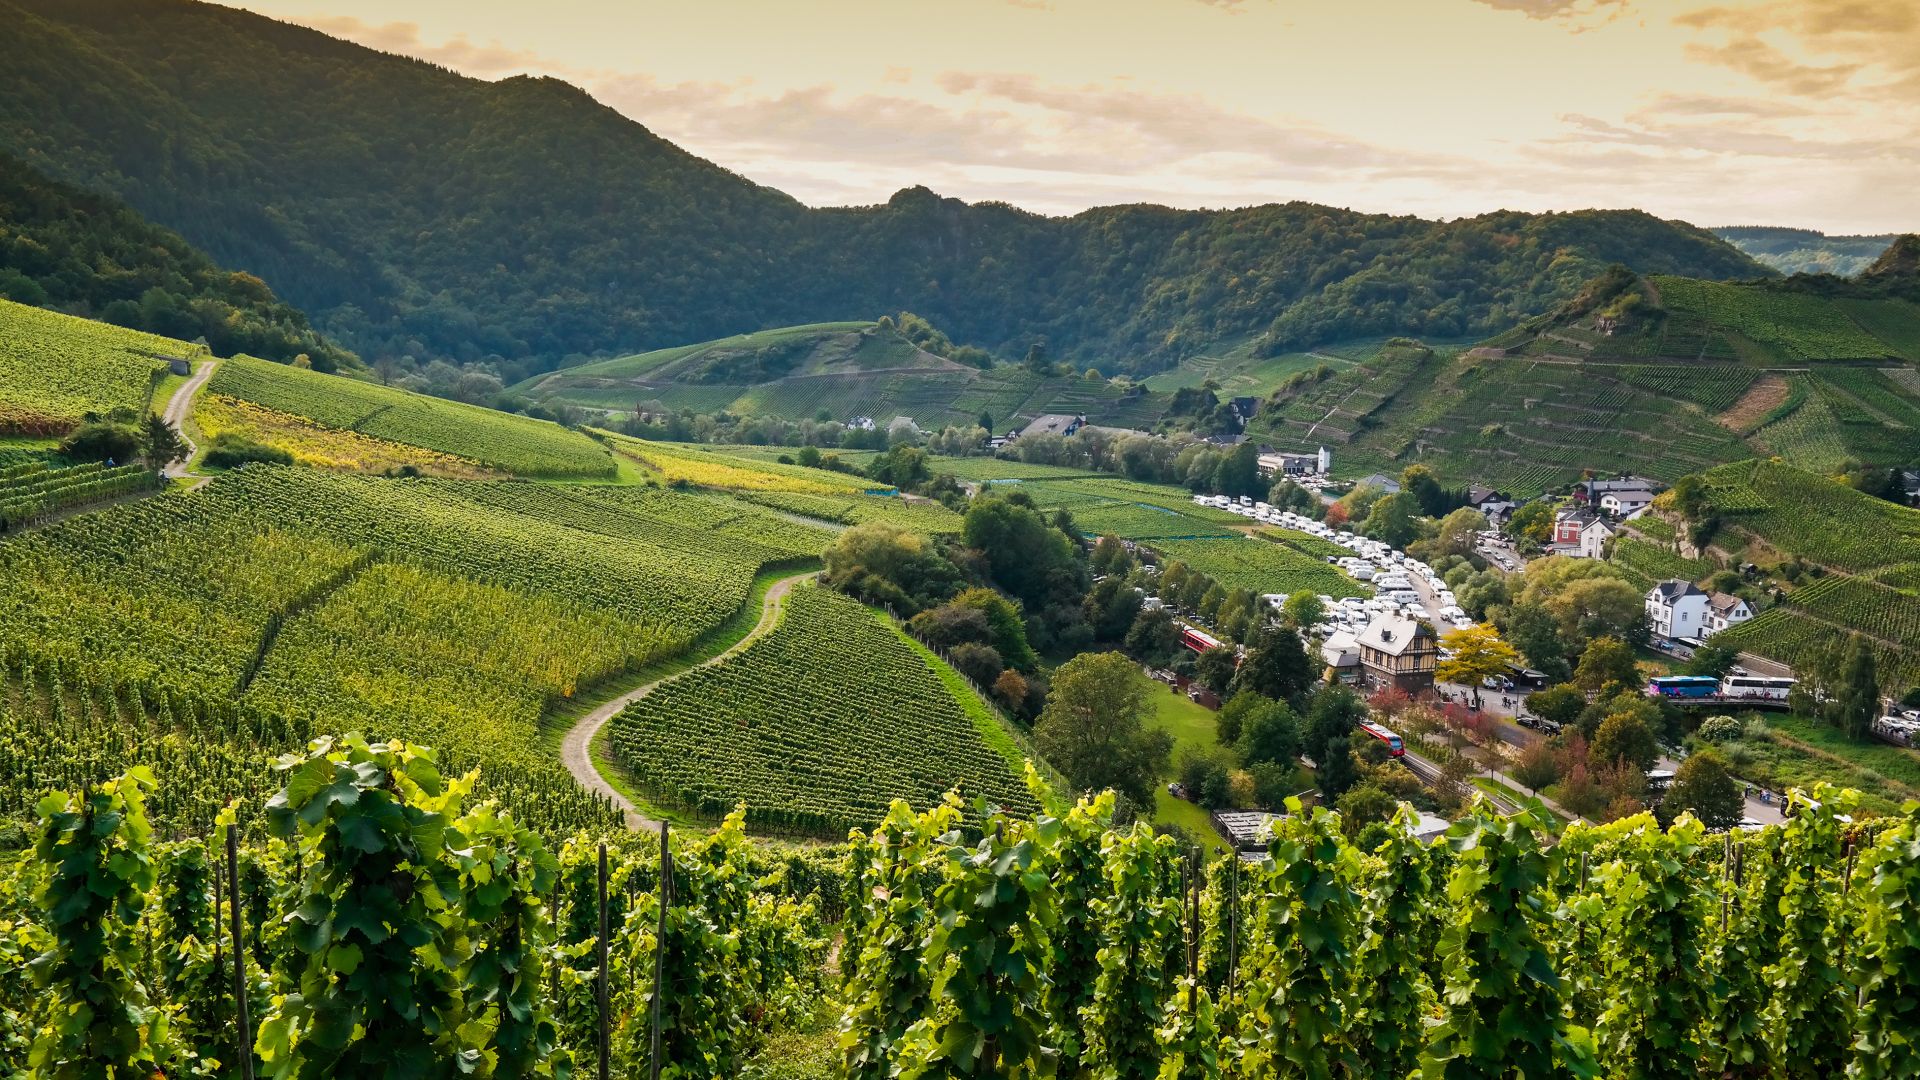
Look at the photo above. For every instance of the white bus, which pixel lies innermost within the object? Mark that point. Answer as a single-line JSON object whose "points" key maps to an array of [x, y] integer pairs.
{"points": [[1755, 688]]}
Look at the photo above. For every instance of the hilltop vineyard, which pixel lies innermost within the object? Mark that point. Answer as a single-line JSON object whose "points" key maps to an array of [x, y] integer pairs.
{"points": [[1052, 944], [815, 726]]}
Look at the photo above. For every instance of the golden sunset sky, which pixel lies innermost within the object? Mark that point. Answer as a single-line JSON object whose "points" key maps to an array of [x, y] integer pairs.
{"points": [[1780, 112]]}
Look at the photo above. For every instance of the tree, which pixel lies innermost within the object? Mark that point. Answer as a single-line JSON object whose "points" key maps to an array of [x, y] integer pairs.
{"points": [[1214, 669], [1703, 785], [1333, 714], [1109, 556], [1459, 532], [1478, 655], [1537, 766], [1009, 632], [1715, 659], [981, 663], [1607, 662], [1859, 700], [1269, 731], [1392, 521], [1362, 805], [102, 440], [1532, 522], [1560, 704], [1303, 610], [885, 564], [1276, 666], [163, 443], [1026, 556], [951, 624], [1037, 361], [1094, 727], [1110, 608], [1418, 483], [1010, 689], [1153, 638], [1239, 472], [1625, 737], [1532, 630], [1336, 772]]}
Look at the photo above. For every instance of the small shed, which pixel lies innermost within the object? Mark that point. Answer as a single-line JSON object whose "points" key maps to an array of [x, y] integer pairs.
{"points": [[179, 366]]}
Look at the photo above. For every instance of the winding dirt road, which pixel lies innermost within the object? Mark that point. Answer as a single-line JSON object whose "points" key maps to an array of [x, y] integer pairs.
{"points": [[576, 750], [176, 416]]}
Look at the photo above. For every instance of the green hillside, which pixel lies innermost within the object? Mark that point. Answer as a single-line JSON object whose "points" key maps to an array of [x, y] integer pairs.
{"points": [[55, 369], [1868, 551], [386, 195], [1806, 251], [844, 369], [514, 444], [91, 255]]}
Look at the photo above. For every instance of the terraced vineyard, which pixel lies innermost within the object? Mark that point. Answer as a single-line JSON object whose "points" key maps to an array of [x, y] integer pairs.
{"points": [[1260, 566], [54, 369], [815, 727], [33, 490], [1648, 563], [515, 444], [1796, 512], [1787, 325], [445, 609]]}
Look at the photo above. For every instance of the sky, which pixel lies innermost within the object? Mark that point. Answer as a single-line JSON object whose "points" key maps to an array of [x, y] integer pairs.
{"points": [[1719, 112]]}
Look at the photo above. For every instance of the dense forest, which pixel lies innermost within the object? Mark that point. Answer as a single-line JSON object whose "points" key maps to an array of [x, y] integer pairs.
{"points": [[91, 255], [415, 212]]}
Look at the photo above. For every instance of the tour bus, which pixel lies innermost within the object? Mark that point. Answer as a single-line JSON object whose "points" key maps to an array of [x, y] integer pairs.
{"points": [[1755, 688], [1394, 745], [1684, 686]]}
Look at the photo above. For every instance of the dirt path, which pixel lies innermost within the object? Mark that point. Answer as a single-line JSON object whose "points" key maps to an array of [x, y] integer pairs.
{"points": [[178, 407], [576, 750]]}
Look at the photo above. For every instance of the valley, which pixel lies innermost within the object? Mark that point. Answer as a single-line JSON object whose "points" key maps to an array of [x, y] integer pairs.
{"points": [[488, 592]]}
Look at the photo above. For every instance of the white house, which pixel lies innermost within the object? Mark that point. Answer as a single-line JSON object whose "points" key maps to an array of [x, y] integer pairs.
{"points": [[1593, 535], [1677, 609], [1626, 501], [1724, 610]]}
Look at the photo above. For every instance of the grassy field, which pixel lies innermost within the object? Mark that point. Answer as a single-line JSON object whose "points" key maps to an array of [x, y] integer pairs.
{"points": [[514, 444], [1192, 727], [1260, 566]]}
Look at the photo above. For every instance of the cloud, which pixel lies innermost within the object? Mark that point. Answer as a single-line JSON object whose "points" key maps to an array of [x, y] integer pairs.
{"points": [[458, 53], [1858, 48], [1580, 15]]}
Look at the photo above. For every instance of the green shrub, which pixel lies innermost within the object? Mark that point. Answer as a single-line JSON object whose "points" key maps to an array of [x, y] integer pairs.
{"points": [[230, 451]]}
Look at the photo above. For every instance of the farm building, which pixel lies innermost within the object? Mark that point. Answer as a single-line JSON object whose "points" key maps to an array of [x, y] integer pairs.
{"points": [[1677, 609], [1399, 653], [1316, 464], [1061, 424]]}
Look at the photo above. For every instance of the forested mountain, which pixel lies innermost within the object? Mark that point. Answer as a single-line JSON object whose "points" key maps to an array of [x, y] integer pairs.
{"points": [[91, 255], [413, 211], [1805, 251]]}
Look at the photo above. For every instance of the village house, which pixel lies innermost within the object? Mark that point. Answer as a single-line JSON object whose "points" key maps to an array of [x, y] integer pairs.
{"points": [[1061, 424], [1494, 504], [1625, 502], [1399, 653], [1579, 533], [1678, 610], [1724, 610]]}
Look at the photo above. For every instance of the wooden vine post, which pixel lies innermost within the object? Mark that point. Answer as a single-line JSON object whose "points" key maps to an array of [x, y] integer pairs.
{"points": [[603, 1040], [239, 952], [660, 945]]}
